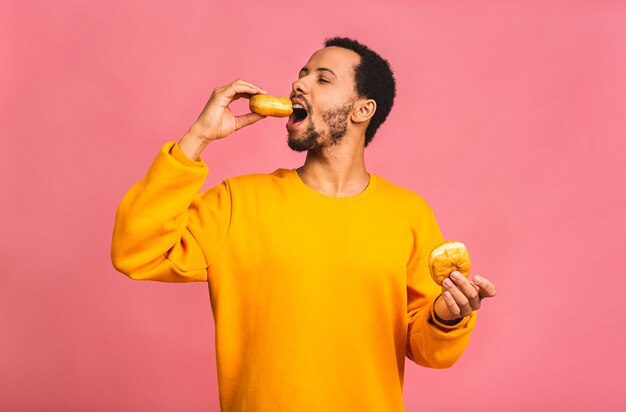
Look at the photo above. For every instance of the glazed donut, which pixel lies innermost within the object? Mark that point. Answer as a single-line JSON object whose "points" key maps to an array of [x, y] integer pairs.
{"points": [[267, 105], [449, 256]]}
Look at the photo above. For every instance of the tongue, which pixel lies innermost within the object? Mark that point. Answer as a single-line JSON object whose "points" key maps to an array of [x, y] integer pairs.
{"points": [[292, 119]]}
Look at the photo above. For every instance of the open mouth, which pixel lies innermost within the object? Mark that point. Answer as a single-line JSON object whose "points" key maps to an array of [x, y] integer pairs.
{"points": [[298, 115]]}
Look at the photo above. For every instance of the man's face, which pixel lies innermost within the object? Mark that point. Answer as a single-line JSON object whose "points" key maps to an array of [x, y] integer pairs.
{"points": [[325, 89]]}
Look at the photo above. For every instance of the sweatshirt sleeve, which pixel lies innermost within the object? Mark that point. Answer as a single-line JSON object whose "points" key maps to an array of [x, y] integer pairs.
{"points": [[430, 343], [164, 229]]}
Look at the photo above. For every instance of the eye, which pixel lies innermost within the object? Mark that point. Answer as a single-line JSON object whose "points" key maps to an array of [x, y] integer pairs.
{"points": [[322, 80]]}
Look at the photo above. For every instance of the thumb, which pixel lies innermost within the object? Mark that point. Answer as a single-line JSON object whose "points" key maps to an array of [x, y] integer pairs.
{"points": [[441, 309], [247, 119]]}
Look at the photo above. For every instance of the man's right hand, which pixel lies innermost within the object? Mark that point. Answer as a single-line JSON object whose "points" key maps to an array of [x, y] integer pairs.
{"points": [[217, 120]]}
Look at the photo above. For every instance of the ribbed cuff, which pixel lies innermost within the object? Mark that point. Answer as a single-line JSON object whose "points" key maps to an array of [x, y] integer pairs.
{"points": [[182, 158]]}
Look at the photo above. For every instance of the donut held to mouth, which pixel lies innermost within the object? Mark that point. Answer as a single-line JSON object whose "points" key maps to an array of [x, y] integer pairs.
{"points": [[267, 105], [447, 257]]}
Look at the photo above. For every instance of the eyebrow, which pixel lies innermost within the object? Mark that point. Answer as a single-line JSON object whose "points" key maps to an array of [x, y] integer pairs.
{"points": [[319, 69]]}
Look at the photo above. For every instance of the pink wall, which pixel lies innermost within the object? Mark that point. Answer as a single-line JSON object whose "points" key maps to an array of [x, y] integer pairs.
{"points": [[510, 120]]}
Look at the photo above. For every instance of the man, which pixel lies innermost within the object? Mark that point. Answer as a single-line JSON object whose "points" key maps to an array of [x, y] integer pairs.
{"points": [[318, 276]]}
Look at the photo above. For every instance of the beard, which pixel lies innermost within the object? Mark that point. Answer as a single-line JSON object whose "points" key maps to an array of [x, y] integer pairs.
{"points": [[337, 121]]}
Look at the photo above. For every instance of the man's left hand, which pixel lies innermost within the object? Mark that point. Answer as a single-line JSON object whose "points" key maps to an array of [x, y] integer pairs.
{"points": [[462, 296]]}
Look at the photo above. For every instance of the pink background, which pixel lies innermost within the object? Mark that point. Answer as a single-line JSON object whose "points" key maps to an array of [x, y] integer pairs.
{"points": [[510, 120]]}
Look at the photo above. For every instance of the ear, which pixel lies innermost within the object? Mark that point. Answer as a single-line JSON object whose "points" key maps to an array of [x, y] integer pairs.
{"points": [[363, 111]]}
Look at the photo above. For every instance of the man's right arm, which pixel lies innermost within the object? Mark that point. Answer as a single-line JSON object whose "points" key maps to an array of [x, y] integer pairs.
{"points": [[166, 231]]}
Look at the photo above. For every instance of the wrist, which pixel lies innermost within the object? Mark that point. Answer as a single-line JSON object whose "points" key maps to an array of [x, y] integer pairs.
{"points": [[193, 143], [447, 322]]}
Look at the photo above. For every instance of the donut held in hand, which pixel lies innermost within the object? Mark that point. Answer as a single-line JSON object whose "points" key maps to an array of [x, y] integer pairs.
{"points": [[449, 256], [267, 105]]}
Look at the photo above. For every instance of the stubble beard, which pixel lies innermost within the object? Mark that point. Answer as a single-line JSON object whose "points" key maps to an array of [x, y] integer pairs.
{"points": [[337, 121]]}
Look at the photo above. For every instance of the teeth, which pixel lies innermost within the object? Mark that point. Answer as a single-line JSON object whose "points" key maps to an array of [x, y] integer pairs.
{"points": [[298, 106]]}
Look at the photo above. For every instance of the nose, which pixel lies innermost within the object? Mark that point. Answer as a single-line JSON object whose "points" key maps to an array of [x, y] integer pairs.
{"points": [[299, 86]]}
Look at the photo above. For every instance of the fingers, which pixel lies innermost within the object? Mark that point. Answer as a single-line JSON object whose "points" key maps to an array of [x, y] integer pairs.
{"points": [[453, 308], [486, 288], [241, 88], [240, 95], [237, 89], [247, 119], [241, 81], [216, 120], [461, 296]]}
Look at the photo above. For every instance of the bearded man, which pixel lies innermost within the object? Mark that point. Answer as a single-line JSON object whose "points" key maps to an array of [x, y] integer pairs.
{"points": [[318, 275]]}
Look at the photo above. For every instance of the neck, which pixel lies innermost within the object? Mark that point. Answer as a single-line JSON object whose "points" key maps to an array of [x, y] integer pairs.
{"points": [[337, 171]]}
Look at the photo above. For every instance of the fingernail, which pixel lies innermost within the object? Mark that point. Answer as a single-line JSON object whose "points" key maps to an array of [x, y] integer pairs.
{"points": [[455, 275], [447, 282], [478, 279]]}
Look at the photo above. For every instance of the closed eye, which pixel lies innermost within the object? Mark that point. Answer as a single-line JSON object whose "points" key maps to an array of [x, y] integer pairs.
{"points": [[323, 81]]}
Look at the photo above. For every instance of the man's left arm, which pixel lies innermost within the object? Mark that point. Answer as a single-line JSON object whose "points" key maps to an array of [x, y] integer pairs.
{"points": [[440, 319]]}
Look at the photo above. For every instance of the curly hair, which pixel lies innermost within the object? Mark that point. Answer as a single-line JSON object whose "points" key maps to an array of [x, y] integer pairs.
{"points": [[373, 79]]}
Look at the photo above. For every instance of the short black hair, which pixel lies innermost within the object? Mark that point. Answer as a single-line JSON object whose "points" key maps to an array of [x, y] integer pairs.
{"points": [[373, 79]]}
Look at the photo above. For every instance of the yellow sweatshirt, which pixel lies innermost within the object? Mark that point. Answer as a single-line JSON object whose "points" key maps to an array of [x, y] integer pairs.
{"points": [[317, 300]]}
